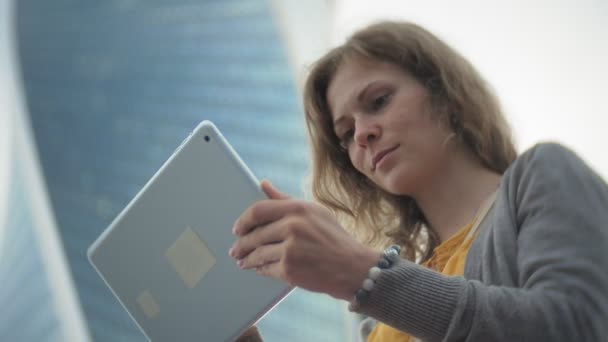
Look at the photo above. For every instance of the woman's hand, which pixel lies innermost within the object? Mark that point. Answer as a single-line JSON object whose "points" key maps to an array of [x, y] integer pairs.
{"points": [[302, 244]]}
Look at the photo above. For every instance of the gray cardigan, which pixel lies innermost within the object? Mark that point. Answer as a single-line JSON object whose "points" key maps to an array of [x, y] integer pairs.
{"points": [[537, 271]]}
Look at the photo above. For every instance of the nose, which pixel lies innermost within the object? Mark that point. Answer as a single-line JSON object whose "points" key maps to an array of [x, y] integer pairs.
{"points": [[366, 132]]}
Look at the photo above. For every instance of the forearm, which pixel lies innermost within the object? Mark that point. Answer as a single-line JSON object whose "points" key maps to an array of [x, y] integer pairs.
{"points": [[434, 307], [415, 299]]}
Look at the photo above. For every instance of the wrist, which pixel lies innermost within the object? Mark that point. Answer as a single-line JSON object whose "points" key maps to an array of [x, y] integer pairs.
{"points": [[364, 259], [389, 257]]}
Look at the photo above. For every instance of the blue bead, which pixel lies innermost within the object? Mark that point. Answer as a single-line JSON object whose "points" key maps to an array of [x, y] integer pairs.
{"points": [[397, 248], [391, 253], [361, 295], [383, 263]]}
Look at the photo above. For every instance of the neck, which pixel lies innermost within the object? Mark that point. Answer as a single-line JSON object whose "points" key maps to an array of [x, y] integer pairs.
{"points": [[453, 196]]}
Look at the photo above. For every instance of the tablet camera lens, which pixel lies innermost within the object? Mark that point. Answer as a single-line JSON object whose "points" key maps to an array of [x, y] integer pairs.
{"points": [[207, 138]]}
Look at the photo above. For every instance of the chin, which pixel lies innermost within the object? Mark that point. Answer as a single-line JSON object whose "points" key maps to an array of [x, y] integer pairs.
{"points": [[399, 182], [397, 186]]}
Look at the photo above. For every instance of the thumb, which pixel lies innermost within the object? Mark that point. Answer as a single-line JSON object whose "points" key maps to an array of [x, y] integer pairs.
{"points": [[271, 191]]}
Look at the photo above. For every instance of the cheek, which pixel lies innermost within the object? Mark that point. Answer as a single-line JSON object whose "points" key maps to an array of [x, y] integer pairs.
{"points": [[356, 158]]}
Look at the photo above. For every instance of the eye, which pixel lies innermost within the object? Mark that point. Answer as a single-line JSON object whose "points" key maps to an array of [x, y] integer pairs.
{"points": [[346, 138], [380, 101]]}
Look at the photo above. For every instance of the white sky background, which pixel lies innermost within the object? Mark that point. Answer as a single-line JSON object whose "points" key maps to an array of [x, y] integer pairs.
{"points": [[547, 60]]}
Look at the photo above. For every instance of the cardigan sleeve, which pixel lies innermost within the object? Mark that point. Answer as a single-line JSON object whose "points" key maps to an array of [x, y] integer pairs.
{"points": [[559, 210]]}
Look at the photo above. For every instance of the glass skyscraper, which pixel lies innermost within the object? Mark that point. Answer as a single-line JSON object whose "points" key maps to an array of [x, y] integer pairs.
{"points": [[26, 299], [112, 87]]}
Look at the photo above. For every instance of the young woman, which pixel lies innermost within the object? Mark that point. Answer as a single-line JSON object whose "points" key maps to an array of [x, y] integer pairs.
{"points": [[410, 148]]}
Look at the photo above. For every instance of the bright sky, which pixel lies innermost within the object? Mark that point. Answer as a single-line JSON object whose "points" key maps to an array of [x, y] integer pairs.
{"points": [[546, 59]]}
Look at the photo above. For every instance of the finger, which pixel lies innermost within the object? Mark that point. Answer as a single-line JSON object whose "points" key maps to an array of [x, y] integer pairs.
{"points": [[261, 213], [272, 192], [271, 270], [273, 232], [261, 256]]}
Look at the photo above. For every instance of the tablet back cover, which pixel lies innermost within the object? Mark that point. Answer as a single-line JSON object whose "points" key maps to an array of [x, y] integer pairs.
{"points": [[165, 256]]}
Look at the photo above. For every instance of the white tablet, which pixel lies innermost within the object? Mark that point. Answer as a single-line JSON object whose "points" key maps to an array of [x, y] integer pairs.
{"points": [[165, 257]]}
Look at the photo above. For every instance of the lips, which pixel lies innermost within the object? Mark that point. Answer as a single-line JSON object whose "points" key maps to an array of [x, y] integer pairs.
{"points": [[381, 155]]}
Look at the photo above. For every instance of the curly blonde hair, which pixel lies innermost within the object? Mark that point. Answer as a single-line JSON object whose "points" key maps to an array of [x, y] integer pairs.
{"points": [[458, 97]]}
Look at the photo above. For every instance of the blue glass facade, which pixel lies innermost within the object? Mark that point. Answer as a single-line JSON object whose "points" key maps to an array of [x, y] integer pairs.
{"points": [[28, 310], [112, 87]]}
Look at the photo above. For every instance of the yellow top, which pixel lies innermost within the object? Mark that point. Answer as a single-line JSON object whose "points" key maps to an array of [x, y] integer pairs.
{"points": [[448, 258]]}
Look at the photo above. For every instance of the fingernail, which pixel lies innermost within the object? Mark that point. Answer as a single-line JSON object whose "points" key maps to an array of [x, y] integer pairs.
{"points": [[234, 230], [231, 251], [239, 263]]}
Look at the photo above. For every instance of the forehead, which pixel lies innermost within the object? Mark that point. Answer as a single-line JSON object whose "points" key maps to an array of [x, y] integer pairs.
{"points": [[352, 76]]}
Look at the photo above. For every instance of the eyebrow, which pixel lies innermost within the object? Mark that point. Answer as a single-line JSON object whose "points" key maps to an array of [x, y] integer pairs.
{"points": [[359, 99]]}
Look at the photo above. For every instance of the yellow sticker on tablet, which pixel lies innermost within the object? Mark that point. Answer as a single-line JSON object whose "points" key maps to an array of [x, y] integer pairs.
{"points": [[190, 257], [148, 304]]}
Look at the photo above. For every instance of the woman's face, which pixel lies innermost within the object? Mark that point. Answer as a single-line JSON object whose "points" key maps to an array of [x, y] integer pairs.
{"points": [[381, 116]]}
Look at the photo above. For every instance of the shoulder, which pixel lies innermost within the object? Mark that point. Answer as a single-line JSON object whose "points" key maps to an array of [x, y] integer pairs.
{"points": [[547, 154], [550, 163], [550, 174]]}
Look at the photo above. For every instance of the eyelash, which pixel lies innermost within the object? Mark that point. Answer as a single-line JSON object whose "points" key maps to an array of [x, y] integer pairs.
{"points": [[380, 101], [376, 104]]}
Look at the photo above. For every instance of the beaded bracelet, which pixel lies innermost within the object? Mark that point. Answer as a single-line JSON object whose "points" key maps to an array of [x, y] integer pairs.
{"points": [[389, 257]]}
